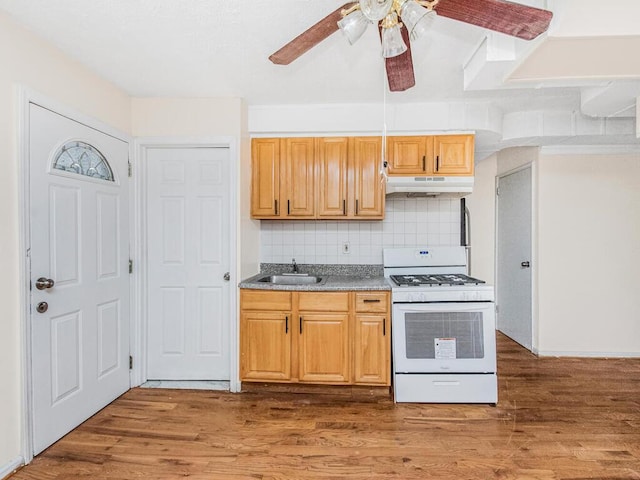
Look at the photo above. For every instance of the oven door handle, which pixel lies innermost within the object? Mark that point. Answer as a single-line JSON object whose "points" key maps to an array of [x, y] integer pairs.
{"points": [[443, 307]]}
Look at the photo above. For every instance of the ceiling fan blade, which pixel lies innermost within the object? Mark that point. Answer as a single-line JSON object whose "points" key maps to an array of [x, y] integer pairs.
{"points": [[502, 16], [400, 69], [309, 38]]}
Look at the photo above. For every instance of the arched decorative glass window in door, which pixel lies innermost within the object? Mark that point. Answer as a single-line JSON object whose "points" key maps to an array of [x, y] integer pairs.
{"points": [[83, 159]]}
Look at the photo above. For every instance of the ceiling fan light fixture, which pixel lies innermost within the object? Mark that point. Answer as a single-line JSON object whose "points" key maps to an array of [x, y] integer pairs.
{"points": [[353, 26], [392, 42], [375, 10], [417, 19]]}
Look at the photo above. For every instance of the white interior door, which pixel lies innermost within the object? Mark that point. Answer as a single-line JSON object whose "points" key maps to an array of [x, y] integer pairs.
{"points": [[79, 240], [188, 212], [514, 256]]}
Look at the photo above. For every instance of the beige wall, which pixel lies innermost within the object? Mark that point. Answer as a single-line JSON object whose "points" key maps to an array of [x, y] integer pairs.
{"points": [[28, 61], [586, 213], [589, 233], [187, 117], [482, 218]]}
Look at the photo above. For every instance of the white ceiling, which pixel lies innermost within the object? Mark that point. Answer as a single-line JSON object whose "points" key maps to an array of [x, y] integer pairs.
{"points": [[214, 48]]}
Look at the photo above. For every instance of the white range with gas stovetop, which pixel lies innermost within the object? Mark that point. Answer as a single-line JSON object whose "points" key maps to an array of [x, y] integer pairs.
{"points": [[444, 341]]}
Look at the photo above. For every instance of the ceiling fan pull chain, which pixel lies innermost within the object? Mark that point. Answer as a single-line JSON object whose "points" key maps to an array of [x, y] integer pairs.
{"points": [[383, 146]]}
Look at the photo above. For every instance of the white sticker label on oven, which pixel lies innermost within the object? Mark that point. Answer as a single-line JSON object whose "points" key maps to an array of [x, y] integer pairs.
{"points": [[445, 347]]}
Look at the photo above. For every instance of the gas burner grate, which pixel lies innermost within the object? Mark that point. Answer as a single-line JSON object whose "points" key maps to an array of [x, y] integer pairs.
{"points": [[435, 280]]}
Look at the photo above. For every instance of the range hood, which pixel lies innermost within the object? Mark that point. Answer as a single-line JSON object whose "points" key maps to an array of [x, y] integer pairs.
{"points": [[429, 186]]}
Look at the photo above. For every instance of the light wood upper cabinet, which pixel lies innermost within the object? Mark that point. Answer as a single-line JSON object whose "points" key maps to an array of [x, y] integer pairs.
{"points": [[409, 155], [454, 154], [325, 178], [265, 177], [332, 157], [298, 192], [283, 178], [366, 182], [447, 155]]}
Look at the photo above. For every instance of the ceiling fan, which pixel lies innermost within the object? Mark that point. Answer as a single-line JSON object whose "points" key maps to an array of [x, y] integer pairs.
{"points": [[352, 18]]}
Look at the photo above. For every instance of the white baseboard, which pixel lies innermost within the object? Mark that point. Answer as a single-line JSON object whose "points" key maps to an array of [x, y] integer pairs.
{"points": [[9, 468], [550, 353], [188, 384]]}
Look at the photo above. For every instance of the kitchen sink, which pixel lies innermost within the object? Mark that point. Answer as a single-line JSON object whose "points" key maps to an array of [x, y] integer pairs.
{"points": [[292, 279]]}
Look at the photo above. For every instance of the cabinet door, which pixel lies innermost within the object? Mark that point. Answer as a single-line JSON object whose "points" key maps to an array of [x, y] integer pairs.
{"points": [[265, 346], [332, 176], [367, 185], [323, 355], [371, 350], [265, 177], [299, 178], [409, 155], [453, 155]]}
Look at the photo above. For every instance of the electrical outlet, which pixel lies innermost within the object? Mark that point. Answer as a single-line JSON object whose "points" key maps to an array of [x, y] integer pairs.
{"points": [[346, 248]]}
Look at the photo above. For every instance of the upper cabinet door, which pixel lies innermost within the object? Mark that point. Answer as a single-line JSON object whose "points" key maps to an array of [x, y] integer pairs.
{"points": [[453, 155], [332, 154], [409, 155], [299, 178], [265, 177], [368, 187]]}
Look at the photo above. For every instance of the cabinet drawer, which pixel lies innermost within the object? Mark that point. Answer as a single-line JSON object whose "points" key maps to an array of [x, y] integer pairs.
{"points": [[265, 300], [372, 302], [323, 301]]}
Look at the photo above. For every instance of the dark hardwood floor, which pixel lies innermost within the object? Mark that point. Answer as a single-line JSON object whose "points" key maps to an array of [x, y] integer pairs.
{"points": [[557, 418]]}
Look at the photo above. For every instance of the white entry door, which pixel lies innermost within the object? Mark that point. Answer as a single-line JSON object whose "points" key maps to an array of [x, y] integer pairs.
{"points": [[188, 263], [79, 272], [514, 257]]}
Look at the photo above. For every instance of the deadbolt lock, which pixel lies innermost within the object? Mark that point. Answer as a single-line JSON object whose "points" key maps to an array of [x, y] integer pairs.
{"points": [[42, 307]]}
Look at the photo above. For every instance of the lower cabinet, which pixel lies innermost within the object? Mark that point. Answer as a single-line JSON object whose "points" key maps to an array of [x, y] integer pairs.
{"points": [[265, 342], [324, 342], [337, 338], [267, 346], [372, 338]]}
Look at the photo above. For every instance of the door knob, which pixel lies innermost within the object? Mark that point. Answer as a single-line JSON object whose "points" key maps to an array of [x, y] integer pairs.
{"points": [[227, 276], [42, 307], [524, 264], [43, 283]]}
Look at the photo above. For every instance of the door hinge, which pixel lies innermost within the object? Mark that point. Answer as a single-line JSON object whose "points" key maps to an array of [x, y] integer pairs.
{"points": [[129, 168], [497, 190], [130, 266], [130, 362]]}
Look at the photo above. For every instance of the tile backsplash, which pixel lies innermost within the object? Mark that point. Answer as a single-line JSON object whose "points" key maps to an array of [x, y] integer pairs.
{"points": [[408, 222]]}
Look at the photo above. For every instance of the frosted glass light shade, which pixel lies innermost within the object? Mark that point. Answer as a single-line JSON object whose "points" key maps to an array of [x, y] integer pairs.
{"points": [[353, 26], [375, 10], [392, 42], [416, 18]]}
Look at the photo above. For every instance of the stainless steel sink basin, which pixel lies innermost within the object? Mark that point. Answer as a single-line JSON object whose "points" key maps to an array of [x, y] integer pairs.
{"points": [[292, 279]]}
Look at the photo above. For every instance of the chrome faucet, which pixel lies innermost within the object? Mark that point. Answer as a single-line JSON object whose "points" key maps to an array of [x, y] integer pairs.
{"points": [[295, 265]]}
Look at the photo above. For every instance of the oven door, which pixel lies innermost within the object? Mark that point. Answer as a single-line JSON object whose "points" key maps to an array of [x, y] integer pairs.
{"points": [[444, 337]]}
